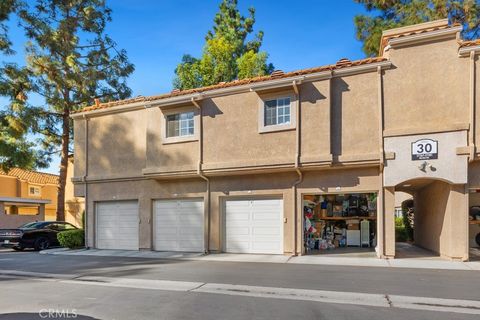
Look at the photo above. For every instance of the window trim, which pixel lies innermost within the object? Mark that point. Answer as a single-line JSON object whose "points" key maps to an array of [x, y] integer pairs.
{"points": [[179, 139], [262, 128]]}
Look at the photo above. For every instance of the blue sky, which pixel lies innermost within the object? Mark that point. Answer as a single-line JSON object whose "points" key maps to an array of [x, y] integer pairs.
{"points": [[298, 34]]}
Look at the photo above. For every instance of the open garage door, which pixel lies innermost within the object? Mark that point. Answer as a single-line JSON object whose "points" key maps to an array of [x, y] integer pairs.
{"points": [[179, 225], [117, 225], [254, 226]]}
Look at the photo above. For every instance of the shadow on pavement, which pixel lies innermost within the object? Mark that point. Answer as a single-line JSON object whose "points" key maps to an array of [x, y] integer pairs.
{"points": [[43, 315]]}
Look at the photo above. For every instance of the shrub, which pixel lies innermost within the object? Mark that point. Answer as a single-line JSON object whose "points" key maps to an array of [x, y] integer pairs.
{"points": [[400, 234], [72, 238]]}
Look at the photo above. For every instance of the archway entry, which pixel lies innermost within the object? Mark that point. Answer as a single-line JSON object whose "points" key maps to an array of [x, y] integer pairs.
{"points": [[440, 220]]}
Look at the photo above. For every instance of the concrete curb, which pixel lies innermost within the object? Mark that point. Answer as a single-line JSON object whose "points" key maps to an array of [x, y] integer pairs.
{"points": [[410, 263]]}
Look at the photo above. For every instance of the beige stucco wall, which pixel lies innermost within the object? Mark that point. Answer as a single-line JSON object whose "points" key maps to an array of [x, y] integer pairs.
{"points": [[355, 132], [428, 87], [449, 166], [231, 125], [441, 219], [315, 112], [116, 145], [167, 157], [9, 186]]}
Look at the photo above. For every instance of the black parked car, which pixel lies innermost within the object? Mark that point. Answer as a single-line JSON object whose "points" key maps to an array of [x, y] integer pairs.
{"points": [[37, 235]]}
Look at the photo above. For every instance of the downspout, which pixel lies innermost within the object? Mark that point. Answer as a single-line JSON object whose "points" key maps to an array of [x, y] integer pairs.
{"points": [[381, 195], [201, 175], [471, 132], [85, 183], [297, 168]]}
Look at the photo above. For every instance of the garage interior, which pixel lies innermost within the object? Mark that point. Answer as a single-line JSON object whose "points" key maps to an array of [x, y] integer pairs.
{"points": [[474, 224], [340, 223]]}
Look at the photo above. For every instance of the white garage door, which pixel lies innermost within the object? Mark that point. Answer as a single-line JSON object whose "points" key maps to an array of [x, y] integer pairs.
{"points": [[117, 225], [179, 225], [254, 226]]}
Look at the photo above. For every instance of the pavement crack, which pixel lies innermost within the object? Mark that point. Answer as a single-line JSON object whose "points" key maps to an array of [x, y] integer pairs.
{"points": [[445, 306], [390, 303], [196, 288]]}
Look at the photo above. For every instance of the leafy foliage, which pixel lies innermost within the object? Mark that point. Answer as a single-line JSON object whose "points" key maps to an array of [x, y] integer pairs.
{"points": [[388, 14], [6, 8], [70, 62], [227, 54], [72, 239]]}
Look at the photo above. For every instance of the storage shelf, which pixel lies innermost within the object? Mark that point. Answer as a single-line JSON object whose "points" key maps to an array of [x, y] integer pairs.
{"points": [[350, 218]]}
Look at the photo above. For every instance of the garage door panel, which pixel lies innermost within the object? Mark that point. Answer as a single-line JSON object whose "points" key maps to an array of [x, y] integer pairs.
{"points": [[265, 231], [231, 232], [166, 231], [179, 225], [238, 247], [254, 226], [264, 216], [117, 225]]}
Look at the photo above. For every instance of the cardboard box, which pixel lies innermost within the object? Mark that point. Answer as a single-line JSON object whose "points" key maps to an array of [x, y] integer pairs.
{"points": [[353, 226]]}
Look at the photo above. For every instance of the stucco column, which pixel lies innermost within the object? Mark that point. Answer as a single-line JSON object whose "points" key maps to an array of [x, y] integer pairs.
{"points": [[458, 222], [145, 225], [389, 222], [41, 212]]}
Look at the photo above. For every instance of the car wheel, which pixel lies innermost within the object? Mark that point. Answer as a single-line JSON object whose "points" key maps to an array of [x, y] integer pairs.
{"points": [[18, 248], [41, 244], [477, 238]]}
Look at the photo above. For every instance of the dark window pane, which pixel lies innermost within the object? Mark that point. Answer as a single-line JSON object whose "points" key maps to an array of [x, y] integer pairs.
{"points": [[270, 112]]}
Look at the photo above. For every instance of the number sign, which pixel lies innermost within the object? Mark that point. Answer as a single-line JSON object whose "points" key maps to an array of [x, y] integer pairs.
{"points": [[424, 149]]}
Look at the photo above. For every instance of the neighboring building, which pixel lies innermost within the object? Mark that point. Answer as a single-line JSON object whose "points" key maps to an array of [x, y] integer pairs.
{"points": [[293, 162], [27, 196], [74, 206]]}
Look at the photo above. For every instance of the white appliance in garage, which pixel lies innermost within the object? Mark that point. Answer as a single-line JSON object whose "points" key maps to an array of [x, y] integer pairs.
{"points": [[179, 225], [253, 226], [117, 225]]}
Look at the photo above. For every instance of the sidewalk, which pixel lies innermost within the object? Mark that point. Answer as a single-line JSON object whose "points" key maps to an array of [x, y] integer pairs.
{"points": [[416, 263]]}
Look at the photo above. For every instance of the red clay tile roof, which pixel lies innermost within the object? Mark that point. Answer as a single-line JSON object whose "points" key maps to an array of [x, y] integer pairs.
{"points": [[384, 40], [470, 43], [235, 83], [32, 176]]}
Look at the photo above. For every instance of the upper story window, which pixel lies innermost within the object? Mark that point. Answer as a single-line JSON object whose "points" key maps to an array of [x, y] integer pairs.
{"points": [[180, 124], [277, 111], [34, 191]]}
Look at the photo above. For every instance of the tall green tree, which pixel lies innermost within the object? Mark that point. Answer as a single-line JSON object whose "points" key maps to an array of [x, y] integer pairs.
{"points": [[227, 54], [387, 14], [15, 150], [70, 62]]}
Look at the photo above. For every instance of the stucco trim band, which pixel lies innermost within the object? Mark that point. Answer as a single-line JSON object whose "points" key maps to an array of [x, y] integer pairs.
{"points": [[422, 37], [426, 130]]}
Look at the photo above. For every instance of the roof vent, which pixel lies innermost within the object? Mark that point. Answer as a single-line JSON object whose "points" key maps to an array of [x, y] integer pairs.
{"points": [[343, 62], [176, 90], [277, 73]]}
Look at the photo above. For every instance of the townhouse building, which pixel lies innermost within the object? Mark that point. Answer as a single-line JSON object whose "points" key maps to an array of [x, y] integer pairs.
{"points": [[293, 163]]}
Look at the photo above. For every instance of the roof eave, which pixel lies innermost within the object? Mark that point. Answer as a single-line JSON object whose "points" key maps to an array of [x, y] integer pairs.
{"points": [[263, 85]]}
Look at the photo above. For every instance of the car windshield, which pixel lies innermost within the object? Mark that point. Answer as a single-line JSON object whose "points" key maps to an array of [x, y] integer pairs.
{"points": [[31, 225]]}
